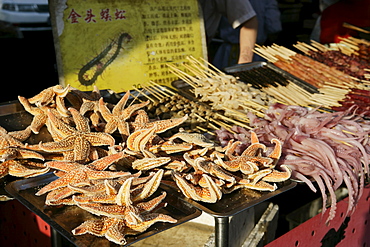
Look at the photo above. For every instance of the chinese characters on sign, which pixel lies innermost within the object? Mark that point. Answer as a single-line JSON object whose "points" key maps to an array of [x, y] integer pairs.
{"points": [[170, 38], [88, 16], [118, 44]]}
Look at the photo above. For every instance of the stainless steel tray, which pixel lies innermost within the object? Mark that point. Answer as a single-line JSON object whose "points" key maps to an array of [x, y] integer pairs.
{"points": [[235, 202], [65, 218]]}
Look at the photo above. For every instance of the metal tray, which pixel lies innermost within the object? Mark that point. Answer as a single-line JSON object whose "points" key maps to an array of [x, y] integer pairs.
{"points": [[235, 202], [239, 68], [65, 218]]}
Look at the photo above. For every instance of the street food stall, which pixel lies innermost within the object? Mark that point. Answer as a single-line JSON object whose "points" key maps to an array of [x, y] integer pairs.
{"points": [[143, 134]]}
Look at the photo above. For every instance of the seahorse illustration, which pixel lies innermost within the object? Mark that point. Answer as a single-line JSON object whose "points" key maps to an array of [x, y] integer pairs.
{"points": [[96, 66]]}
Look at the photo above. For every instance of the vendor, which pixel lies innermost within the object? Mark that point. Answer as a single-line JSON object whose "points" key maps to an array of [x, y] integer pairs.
{"points": [[239, 13]]}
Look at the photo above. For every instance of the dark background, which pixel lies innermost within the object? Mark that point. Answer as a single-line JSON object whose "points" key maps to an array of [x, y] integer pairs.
{"points": [[29, 64]]}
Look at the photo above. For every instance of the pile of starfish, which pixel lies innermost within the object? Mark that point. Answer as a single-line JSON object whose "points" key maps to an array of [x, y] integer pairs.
{"points": [[109, 159]]}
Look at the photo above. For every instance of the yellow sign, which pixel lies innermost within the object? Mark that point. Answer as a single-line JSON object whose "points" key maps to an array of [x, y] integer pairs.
{"points": [[116, 44]]}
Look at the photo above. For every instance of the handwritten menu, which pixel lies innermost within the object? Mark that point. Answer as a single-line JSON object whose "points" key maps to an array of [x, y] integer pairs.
{"points": [[120, 44]]}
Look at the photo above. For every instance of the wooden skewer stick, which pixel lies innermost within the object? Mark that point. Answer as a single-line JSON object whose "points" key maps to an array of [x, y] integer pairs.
{"points": [[135, 98], [182, 75], [350, 26], [153, 93], [224, 125], [205, 130], [233, 121], [161, 89], [237, 114], [212, 66], [145, 95]]}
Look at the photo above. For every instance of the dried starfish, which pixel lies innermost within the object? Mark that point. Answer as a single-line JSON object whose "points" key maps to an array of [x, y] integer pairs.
{"points": [[138, 141], [7, 140], [202, 165], [47, 95], [115, 229], [112, 229], [194, 138], [10, 153], [210, 194], [116, 119], [22, 168], [170, 148], [90, 103], [150, 163], [278, 176], [52, 96], [20, 135], [77, 174], [161, 125], [79, 140], [122, 197]]}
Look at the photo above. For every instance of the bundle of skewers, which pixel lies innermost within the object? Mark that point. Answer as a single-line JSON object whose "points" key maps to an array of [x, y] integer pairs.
{"points": [[360, 47], [235, 97], [335, 87], [340, 58], [166, 103]]}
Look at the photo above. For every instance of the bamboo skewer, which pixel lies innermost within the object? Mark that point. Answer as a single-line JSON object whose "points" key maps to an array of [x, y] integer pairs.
{"points": [[353, 27], [145, 95]]}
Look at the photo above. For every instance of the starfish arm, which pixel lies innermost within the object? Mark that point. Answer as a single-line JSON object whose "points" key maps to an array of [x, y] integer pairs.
{"points": [[56, 195], [60, 91], [60, 106], [91, 174], [117, 232], [123, 128], [123, 197], [65, 166], [93, 189], [95, 198], [60, 126], [111, 126], [64, 145], [69, 178], [4, 168], [28, 154], [150, 163], [21, 135], [38, 122], [117, 109], [126, 113], [104, 162], [109, 210], [18, 169], [149, 220], [7, 140], [82, 123], [44, 97], [86, 106], [151, 186], [152, 204], [100, 139], [81, 149], [95, 227], [141, 117], [104, 111], [261, 186], [167, 124], [278, 176], [257, 176]]}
